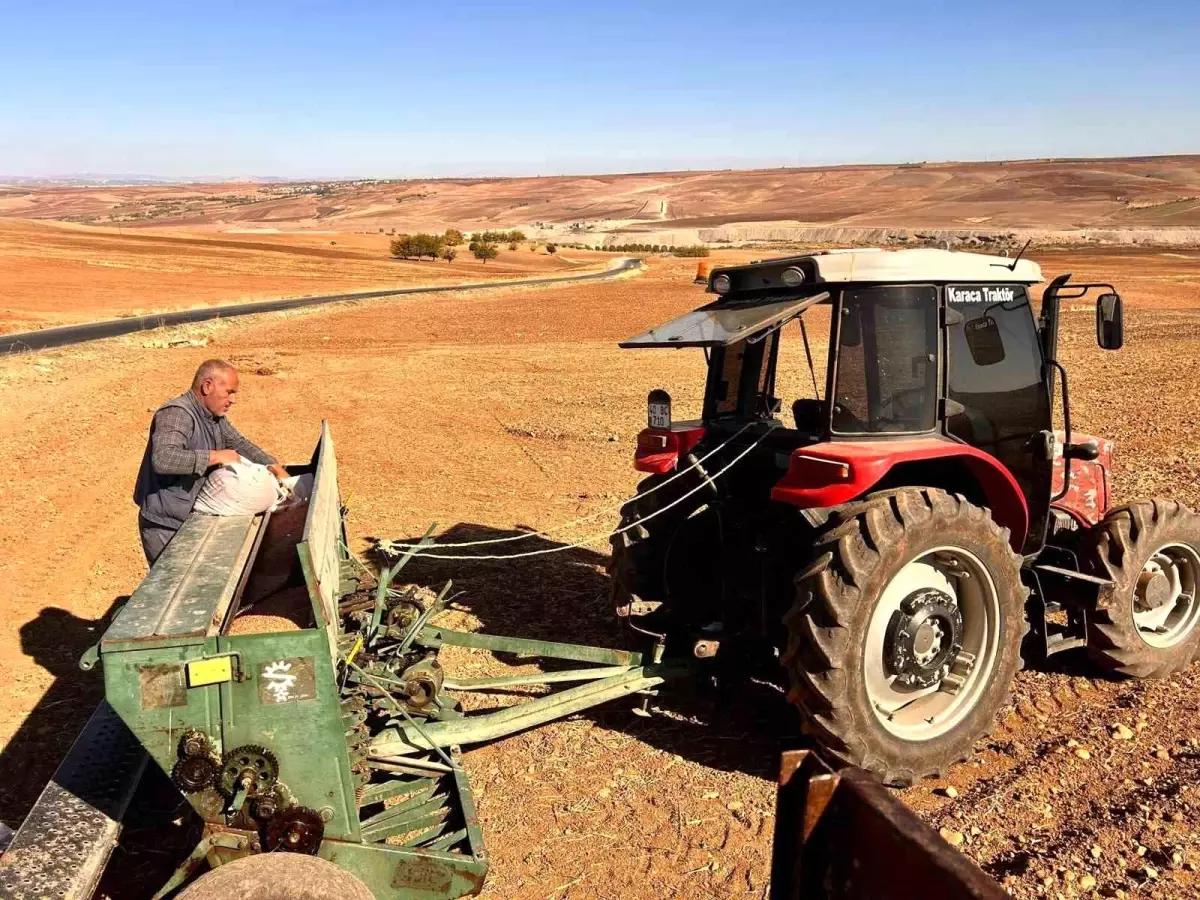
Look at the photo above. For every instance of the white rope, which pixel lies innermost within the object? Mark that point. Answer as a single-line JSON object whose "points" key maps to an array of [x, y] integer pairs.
{"points": [[584, 541], [563, 526]]}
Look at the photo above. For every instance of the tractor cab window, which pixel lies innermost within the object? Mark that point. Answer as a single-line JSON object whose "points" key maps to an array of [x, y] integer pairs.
{"points": [[995, 378], [887, 351]]}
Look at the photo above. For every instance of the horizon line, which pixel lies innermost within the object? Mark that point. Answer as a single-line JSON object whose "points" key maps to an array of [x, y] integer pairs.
{"points": [[133, 177]]}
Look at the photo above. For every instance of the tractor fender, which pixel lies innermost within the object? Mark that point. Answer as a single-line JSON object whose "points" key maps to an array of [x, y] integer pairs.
{"points": [[832, 473]]}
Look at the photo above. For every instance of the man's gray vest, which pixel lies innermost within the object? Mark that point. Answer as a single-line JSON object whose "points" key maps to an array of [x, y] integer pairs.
{"points": [[168, 499]]}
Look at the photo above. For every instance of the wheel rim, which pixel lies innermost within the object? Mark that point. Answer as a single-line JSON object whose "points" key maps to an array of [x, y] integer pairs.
{"points": [[921, 713], [1165, 610]]}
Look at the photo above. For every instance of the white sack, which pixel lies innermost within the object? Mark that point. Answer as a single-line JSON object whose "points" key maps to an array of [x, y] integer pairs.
{"points": [[298, 489], [239, 489]]}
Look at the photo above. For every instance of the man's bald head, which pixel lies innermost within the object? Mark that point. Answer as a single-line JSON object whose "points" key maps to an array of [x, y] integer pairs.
{"points": [[215, 384]]}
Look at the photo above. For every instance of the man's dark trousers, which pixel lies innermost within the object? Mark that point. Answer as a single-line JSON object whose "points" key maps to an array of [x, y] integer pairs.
{"points": [[155, 538]]}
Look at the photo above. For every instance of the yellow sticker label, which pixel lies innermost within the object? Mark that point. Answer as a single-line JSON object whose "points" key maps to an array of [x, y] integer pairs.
{"points": [[358, 645], [210, 671]]}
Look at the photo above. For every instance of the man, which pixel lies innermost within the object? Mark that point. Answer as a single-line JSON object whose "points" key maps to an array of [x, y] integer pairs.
{"points": [[188, 436]]}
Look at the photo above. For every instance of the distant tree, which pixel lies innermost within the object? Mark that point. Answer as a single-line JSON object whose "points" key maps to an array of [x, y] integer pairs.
{"points": [[512, 246], [485, 251], [473, 246], [693, 250], [551, 248], [453, 237], [408, 246], [448, 253]]}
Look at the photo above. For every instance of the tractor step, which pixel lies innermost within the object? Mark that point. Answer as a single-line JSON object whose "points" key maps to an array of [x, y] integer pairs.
{"points": [[1062, 589], [64, 843]]}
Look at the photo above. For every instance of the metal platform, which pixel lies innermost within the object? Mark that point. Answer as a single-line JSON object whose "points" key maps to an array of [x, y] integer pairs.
{"points": [[63, 845]]}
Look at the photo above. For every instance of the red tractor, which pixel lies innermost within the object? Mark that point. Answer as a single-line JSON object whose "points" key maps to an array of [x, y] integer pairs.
{"points": [[896, 537]]}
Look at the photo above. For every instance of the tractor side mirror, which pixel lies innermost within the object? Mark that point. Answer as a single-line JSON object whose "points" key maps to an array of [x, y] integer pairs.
{"points": [[1110, 325]]}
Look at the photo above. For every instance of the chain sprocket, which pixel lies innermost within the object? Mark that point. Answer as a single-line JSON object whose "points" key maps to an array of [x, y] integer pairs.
{"points": [[192, 774], [252, 764], [296, 829]]}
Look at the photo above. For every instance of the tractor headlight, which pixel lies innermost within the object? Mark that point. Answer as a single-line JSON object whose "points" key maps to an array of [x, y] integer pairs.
{"points": [[792, 276], [721, 284]]}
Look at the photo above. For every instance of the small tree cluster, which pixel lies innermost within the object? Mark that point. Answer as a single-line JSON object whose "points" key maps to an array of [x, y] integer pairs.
{"points": [[484, 250], [696, 250], [498, 237], [452, 238], [410, 246]]}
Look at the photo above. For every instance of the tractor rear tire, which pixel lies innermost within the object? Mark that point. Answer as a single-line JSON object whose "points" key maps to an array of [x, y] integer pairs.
{"points": [[277, 876], [1146, 548], [935, 552]]}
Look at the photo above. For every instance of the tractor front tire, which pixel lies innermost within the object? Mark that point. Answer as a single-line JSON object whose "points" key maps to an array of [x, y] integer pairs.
{"points": [[1147, 626], [856, 651], [277, 876]]}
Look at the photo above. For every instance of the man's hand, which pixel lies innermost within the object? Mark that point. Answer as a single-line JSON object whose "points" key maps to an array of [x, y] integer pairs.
{"points": [[222, 457], [278, 471]]}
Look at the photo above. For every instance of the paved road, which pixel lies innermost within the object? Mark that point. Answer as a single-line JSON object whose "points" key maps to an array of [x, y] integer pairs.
{"points": [[76, 334]]}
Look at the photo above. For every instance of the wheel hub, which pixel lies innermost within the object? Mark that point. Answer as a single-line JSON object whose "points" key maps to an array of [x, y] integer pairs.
{"points": [[924, 635], [1153, 588]]}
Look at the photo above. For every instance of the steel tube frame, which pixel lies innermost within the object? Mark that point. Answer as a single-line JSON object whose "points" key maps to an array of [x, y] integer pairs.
{"points": [[435, 637], [403, 740]]}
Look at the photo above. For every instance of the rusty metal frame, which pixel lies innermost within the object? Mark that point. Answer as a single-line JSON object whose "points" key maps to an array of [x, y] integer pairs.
{"points": [[843, 836]]}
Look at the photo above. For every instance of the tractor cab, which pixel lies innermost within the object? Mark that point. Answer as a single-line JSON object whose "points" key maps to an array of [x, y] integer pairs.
{"points": [[934, 369]]}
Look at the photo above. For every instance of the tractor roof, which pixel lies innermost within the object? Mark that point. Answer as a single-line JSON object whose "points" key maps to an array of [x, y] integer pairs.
{"points": [[875, 266]]}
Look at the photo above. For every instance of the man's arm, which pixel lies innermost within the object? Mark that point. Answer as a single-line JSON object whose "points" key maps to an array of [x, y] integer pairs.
{"points": [[168, 448], [234, 440]]}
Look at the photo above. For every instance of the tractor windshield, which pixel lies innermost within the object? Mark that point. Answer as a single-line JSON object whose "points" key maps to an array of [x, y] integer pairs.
{"points": [[886, 370]]}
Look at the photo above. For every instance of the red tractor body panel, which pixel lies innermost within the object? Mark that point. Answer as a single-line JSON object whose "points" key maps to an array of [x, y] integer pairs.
{"points": [[1087, 498], [829, 474], [658, 449]]}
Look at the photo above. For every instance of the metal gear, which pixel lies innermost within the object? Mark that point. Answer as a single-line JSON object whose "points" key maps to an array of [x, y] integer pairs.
{"points": [[252, 765], [195, 742], [192, 774], [264, 807], [296, 829]]}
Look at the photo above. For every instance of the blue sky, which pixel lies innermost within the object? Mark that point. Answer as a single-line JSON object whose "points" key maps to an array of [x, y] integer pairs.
{"points": [[462, 88]]}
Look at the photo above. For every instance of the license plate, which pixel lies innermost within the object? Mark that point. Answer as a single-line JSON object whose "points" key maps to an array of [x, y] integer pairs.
{"points": [[660, 415]]}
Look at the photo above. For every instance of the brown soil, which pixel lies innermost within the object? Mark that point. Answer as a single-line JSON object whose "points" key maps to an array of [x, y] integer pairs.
{"points": [[57, 274], [488, 411], [1146, 191]]}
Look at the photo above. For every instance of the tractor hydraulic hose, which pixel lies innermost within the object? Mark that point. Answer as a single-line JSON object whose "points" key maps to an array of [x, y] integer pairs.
{"points": [[599, 536], [695, 464]]}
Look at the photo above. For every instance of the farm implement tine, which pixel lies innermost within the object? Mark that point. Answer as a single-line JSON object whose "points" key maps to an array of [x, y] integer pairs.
{"points": [[386, 790], [406, 817], [843, 836]]}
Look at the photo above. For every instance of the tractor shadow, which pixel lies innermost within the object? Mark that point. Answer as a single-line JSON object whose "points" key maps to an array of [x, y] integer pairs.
{"points": [[55, 640], [739, 723]]}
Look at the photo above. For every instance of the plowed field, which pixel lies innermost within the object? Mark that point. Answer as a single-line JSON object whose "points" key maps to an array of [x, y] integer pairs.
{"points": [[489, 411], [57, 274]]}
